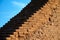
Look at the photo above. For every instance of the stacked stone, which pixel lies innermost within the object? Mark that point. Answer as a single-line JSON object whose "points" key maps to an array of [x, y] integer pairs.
{"points": [[20, 18], [43, 25]]}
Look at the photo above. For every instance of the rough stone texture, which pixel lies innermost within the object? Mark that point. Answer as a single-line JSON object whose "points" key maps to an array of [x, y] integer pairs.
{"points": [[43, 25], [19, 19]]}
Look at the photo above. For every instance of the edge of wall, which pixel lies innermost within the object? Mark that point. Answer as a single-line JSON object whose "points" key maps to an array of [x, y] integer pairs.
{"points": [[20, 18]]}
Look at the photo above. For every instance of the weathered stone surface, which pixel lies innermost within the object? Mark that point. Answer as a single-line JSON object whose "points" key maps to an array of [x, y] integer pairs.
{"points": [[43, 25]]}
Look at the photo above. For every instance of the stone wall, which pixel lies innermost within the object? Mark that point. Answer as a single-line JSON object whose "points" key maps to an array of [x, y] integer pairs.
{"points": [[43, 25], [20, 18]]}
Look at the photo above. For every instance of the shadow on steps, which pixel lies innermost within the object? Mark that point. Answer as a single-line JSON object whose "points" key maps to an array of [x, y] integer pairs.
{"points": [[20, 18]]}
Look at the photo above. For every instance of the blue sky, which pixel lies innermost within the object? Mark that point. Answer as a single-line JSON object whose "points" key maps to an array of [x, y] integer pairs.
{"points": [[9, 8]]}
